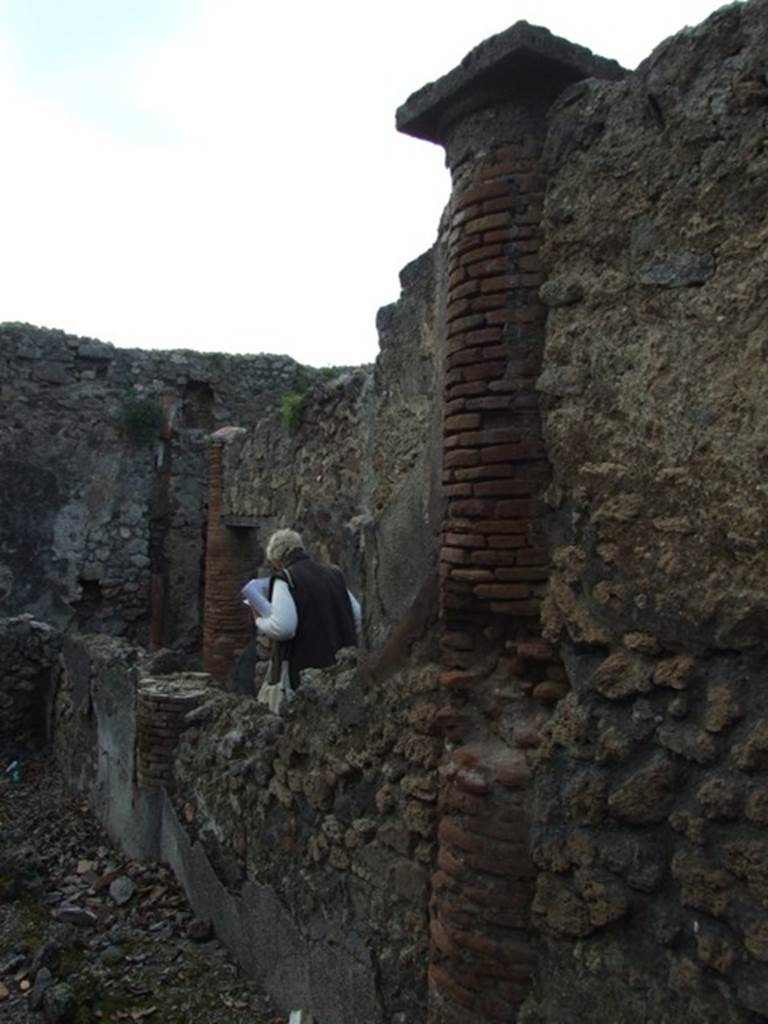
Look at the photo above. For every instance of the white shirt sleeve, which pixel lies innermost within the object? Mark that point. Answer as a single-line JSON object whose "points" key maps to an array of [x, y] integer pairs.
{"points": [[282, 622]]}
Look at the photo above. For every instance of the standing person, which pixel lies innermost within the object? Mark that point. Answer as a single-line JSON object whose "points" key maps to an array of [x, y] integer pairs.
{"points": [[313, 614]]}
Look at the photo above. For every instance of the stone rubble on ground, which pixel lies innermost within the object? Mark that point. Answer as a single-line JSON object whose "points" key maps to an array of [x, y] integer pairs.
{"points": [[93, 938]]}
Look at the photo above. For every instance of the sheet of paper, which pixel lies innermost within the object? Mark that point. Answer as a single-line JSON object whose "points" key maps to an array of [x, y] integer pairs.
{"points": [[254, 594]]}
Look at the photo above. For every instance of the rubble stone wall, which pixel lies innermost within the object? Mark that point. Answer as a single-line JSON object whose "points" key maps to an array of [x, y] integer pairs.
{"points": [[104, 467], [651, 815]]}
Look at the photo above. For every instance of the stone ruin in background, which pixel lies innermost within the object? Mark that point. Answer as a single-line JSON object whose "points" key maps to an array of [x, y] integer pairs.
{"points": [[540, 794]]}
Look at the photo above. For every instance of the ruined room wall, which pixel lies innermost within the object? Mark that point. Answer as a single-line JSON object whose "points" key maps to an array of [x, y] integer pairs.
{"points": [[651, 813], [318, 829], [91, 524]]}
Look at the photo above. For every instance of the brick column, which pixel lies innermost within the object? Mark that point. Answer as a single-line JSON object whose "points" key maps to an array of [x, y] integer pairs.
{"points": [[499, 677], [229, 563], [495, 469], [161, 705]]}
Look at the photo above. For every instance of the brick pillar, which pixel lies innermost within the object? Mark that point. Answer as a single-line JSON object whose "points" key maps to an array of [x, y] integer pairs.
{"points": [[161, 705], [230, 560], [500, 680], [494, 467]]}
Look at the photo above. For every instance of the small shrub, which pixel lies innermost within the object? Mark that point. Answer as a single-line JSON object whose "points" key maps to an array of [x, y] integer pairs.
{"points": [[141, 420], [292, 410]]}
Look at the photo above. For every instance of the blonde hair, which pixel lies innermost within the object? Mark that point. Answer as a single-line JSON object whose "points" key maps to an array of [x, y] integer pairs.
{"points": [[281, 543]]}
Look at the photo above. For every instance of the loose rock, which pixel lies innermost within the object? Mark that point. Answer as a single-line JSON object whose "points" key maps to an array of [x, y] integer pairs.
{"points": [[122, 890]]}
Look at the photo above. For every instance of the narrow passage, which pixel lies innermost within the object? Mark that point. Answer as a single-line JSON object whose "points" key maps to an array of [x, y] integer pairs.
{"points": [[88, 936]]}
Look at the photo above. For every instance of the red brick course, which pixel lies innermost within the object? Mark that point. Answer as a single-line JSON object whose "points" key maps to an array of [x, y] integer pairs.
{"points": [[160, 720], [480, 897], [493, 569]]}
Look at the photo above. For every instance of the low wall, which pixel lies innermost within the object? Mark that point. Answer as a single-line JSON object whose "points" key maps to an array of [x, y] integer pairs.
{"points": [[94, 738], [308, 840]]}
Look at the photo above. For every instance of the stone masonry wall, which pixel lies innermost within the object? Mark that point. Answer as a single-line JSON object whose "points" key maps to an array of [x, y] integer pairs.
{"points": [[98, 532], [650, 830]]}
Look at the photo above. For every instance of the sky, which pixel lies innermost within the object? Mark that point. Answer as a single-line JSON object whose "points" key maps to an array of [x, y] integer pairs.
{"points": [[225, 175]]}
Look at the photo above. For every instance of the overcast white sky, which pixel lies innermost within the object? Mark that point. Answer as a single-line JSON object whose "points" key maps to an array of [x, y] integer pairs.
{"points": [[225, 175]]}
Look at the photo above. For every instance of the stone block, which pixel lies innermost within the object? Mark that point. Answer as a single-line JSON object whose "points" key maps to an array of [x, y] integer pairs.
{"points": [[560, 910], [703, 885], [648, 794], [620, 676], [724, 706], [687, 740]]}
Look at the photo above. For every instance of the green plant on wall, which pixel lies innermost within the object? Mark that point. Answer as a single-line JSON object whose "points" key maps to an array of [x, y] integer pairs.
{"points": [[292, 410], [140, 420]]}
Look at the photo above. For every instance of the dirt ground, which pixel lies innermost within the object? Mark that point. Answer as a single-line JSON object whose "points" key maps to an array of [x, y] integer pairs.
{"points": [[90, 937]]}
